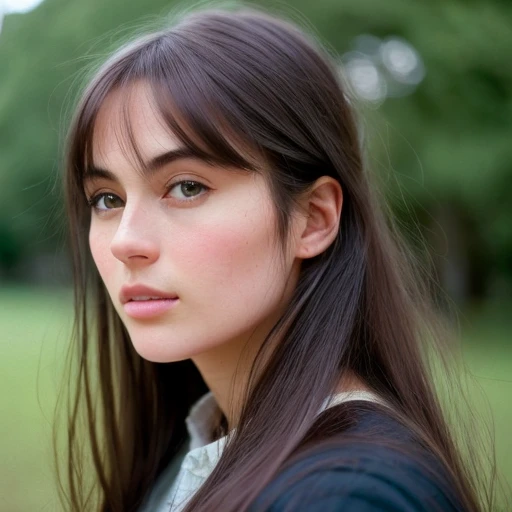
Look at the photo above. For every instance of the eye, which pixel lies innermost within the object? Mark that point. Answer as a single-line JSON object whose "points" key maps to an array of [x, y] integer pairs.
{"points": [[187, 190], [106, 201]]}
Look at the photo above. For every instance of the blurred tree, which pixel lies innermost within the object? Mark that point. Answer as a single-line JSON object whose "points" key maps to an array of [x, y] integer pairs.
{"points": [[9, 250], [445, 148]]}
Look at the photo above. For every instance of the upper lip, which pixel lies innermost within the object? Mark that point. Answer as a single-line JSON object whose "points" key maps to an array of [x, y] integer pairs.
{"points": [[138, 290]]}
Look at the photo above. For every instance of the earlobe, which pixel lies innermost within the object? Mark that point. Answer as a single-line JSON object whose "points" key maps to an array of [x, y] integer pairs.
{"points": [[323, 204]]}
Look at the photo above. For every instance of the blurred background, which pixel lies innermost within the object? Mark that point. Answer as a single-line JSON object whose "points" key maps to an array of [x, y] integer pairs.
{"points": [[433, 83]]}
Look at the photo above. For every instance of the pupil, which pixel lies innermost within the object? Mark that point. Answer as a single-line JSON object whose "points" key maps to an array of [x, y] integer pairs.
{"points": [[110, 201], [190, 188]]}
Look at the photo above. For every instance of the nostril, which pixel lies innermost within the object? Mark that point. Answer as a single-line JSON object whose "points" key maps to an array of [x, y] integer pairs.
{"points": [[134, 250]]}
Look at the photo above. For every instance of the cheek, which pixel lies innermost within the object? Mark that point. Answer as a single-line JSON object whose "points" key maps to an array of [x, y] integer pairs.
{"points": [[227, 256], [99, 244], [233, 261]]}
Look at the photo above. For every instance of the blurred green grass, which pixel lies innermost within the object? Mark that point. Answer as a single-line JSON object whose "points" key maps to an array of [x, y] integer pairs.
{"points": [[34, 329]]}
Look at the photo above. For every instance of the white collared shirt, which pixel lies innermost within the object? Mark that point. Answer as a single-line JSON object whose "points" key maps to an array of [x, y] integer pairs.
{"points": [[171, 494]]}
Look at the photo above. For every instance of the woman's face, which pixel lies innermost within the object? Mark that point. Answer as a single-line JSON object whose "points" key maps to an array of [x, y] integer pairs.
{"points": [[188, 251]]}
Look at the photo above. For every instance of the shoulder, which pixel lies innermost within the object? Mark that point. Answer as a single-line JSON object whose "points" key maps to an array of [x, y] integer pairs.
{"points": [[366, 482], [360, 476]]}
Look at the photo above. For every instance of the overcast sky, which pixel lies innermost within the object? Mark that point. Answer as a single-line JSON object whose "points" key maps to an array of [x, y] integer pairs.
{"points": [[18, 5]]}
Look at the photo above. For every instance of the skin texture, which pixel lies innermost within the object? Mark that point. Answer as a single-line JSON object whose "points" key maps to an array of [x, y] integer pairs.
{"points": [[216, 250]]}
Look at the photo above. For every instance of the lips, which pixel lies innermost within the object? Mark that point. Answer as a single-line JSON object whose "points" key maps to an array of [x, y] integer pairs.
{"points": [[145, 298], [142, 303], [140, 293]]}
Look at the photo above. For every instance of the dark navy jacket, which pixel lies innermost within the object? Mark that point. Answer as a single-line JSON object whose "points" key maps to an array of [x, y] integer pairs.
{"points": [[365, 477]]}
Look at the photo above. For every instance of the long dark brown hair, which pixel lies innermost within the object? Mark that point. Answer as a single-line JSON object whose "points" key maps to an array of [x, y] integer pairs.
{"points": [[252, 91]]}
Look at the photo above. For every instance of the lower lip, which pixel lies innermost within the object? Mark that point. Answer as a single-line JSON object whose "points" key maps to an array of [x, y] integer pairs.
{"points": [[148, 308]]}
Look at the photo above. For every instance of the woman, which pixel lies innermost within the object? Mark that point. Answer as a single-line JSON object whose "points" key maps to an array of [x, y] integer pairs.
{"points": [[251, 335]]}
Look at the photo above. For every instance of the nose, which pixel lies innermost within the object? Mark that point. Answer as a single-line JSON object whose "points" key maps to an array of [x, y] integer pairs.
{"points": [[134, 243]]}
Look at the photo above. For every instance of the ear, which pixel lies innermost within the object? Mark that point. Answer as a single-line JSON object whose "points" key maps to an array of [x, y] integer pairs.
{"points": [[322, 204]]}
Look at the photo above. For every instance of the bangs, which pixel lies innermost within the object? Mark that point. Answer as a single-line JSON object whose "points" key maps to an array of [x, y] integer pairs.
{"points": [[184, 97]]}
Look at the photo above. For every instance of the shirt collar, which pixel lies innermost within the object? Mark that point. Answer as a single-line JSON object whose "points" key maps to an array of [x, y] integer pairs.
{"points": [[205, 411], [200, 420]]}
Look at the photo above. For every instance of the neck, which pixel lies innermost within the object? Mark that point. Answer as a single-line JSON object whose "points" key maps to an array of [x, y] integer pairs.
{"points": [[225, 370], [226, 367]]}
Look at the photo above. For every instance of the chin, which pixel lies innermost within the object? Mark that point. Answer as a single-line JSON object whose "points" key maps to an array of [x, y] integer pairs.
{"points": [[162, 349], [154, 355], [157, 352]]}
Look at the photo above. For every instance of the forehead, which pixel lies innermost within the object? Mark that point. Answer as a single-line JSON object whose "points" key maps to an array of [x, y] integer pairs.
{"points": [[128, 125]]}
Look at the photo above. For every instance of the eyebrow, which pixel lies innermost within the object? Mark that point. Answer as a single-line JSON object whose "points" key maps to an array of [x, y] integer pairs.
{"points": [[151, 167]]}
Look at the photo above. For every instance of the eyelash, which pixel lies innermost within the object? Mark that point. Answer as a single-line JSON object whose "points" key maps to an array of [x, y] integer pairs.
{"points": [[94, 200]]}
